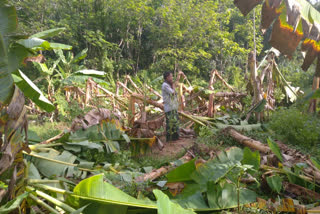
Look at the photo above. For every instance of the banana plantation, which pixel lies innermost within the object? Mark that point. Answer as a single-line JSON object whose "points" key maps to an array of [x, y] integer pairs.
{"points": [[159, 106]]}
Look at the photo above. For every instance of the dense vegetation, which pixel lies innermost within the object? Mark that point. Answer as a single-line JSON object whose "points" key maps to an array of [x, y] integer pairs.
{"points": [[99, 45]]}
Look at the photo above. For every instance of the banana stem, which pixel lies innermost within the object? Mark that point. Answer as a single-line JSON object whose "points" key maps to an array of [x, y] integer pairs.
{"points": [[44, 205], [40, 181], [56, 202], [52, 189]]}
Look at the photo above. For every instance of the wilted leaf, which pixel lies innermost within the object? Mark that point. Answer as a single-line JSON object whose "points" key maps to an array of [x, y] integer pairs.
{"points": [[245, 6]]}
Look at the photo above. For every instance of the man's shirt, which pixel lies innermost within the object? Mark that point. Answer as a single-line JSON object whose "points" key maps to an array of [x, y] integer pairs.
{"points": [[170, 101]]}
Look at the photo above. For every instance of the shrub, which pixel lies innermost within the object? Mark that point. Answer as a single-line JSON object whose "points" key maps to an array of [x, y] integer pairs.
{"points": [[294, 127]]}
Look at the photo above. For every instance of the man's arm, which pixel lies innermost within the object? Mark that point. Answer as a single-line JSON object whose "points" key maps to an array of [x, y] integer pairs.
{"points": [[167, 89]]}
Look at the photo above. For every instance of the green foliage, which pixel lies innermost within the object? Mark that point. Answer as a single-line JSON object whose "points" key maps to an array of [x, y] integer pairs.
{"points": [[295, 127], [14, 204], [128, 36], [275, 149], [47, 130], [165, 206], [275, 183], [251, 158]]}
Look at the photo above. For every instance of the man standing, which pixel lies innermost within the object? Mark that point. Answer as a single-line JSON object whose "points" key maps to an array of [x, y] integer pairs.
{"points": [[170, 102]]}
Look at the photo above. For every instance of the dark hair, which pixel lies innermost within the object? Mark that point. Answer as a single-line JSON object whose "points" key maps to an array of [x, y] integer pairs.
{"points": [[166, 74]]}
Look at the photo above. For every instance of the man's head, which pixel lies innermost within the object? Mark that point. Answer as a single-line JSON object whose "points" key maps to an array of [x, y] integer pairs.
{"points": [[168, 77]]}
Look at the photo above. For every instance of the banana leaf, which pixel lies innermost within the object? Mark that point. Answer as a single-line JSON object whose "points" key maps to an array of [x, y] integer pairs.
{"points": [[48, 33], [224, 195], [50, 168], [103, 196], [165, 206], [8, 24], [182, 173], [32, 91]]}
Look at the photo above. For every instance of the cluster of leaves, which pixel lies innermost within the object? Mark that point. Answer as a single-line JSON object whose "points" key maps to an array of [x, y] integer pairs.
{"points": [[130, 36]]}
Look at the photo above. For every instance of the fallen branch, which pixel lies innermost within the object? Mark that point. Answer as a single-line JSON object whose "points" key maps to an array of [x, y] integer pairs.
{"points": [[147, 100], [53, 138], [230, 94], [223, 81], [156, 173], [301, 191], [246, 141]]}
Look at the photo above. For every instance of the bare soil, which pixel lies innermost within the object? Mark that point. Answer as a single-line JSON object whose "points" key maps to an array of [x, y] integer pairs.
{"points": [[172, 149]]}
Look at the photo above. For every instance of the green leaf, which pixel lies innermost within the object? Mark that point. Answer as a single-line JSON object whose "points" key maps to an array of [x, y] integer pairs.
{"points": [[165, 206], [50, 168], [8, 19], [80, 210], [80, 56], [6, 88], [87, 145], [275, 183], [275, 149], [225, 195], [315, 162], [219, 167], [104, 196], [251, 158], [34, 43], [13, 204], [58, 46], [33, 172], [40, 44], [48, 33], [31, 91], [182, 173], [191, 197]]}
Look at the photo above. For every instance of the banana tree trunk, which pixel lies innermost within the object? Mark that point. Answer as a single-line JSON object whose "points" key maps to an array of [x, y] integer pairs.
{"points": [[315, 86]]}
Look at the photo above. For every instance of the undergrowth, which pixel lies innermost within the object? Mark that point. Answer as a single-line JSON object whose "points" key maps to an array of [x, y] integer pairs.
{"points": [[294, 127]]}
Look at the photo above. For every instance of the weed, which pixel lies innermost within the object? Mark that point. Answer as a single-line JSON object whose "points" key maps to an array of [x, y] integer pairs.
{"points": [[294, 127], [48, 129]]}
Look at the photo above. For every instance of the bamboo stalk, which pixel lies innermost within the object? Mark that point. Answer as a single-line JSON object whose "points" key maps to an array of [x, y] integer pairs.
{"points": [[44, 205], [55, 201]]}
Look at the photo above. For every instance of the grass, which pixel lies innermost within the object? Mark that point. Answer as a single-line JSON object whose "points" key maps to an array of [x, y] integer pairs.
{"points": [[47, 130]]}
